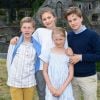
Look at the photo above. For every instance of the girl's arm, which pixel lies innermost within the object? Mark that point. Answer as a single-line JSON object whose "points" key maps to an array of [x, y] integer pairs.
{"points": [[14, 40], [46, 77], [67, 81]]}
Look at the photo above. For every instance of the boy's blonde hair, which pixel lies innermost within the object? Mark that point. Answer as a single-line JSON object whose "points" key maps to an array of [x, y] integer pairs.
{"points": [[59, 30], [27, 20], [72, 10], [46, 9]]}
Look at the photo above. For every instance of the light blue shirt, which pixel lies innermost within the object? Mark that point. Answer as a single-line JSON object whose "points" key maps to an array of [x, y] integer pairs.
{"points": [[81, 29], [21, 72]]}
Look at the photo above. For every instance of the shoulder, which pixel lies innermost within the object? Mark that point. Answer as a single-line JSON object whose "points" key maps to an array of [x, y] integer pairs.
{"points": [[11, 46], [43, 29], [92, 33], [70, 33]]}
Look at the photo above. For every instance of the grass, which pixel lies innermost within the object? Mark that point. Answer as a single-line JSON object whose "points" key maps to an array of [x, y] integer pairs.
{"points": [[4, 89]]}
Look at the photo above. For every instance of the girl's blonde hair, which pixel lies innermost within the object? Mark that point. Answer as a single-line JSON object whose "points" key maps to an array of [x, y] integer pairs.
{"points": [[27, 20], [59, 30]]}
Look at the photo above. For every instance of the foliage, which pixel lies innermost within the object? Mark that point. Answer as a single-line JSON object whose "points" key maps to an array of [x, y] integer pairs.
{"points": [[16, 3], [36, 5], [98, 66]]}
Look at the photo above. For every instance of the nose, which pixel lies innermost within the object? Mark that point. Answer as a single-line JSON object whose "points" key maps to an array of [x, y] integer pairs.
{"points": [[72, 22], [47, 20]]}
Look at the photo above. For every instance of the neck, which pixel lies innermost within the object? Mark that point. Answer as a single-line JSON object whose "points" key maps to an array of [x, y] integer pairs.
{"points": [[52, 28], [81, 29], [59, 47], [27, 40]]}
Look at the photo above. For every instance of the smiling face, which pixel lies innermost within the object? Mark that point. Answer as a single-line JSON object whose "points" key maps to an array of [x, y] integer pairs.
{"points": [[74, 21], [27, 30], [48, 20]]}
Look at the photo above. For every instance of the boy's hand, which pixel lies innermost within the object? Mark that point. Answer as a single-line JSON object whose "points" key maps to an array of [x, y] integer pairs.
{"points": [[14, 40], [69, 52], [75, 58]]}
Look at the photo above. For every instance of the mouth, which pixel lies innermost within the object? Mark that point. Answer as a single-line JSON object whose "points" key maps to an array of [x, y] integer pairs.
{"points": [[27, 33]]}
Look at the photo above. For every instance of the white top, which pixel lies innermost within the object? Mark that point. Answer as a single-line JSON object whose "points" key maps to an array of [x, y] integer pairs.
{"points": [[58, 72], [44, 37], [21, 73]]}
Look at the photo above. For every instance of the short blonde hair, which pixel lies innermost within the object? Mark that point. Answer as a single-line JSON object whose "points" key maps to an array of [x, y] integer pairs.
{"points": [[72, 10], [59, 30], [27, 20]]}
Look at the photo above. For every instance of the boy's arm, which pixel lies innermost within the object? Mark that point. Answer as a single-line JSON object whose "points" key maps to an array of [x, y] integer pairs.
{"points": [[95, 49], [67, 81], [9, 55], [92, 56]]}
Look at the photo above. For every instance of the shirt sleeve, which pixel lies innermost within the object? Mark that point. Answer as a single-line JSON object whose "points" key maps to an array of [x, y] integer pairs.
{"points": [[45, 56], [95, 46], [9, 55], [35, 35]]}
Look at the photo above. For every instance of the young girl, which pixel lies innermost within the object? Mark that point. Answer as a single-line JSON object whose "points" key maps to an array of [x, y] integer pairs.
{"points": [[20, 63], [57, 70]]}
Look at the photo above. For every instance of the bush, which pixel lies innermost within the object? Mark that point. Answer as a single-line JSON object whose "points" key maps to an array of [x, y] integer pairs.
{"points": [[98, 66]]}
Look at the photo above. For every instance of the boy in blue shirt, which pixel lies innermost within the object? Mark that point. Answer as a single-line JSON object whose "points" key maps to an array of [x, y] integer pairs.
{"points": [[85, 44], [21, 60]]}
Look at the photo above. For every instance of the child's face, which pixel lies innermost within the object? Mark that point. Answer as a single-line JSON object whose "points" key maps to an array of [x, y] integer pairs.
{"points": [[48, 20], [74, 21], [59, 40], [27, 29]]}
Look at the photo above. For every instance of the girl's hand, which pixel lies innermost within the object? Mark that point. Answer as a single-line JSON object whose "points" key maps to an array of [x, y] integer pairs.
{"points": [[14, 40], [69, 52], [53, 90], [59, 91]]}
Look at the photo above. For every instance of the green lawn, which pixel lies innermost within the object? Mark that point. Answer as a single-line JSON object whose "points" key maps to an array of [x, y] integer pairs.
{"points": [[4, 89]]}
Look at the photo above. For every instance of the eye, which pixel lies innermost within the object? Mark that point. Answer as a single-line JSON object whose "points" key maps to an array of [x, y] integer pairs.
{"points": [[69, 21], [24, 27], [44, 19]]}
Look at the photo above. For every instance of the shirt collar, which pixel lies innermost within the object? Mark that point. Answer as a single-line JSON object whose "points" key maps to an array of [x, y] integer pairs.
{"points": [[81, 29]]}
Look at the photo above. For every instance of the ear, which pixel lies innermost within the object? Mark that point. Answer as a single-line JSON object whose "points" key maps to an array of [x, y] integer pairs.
{"points": [[82, 19], [55, 19]]}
